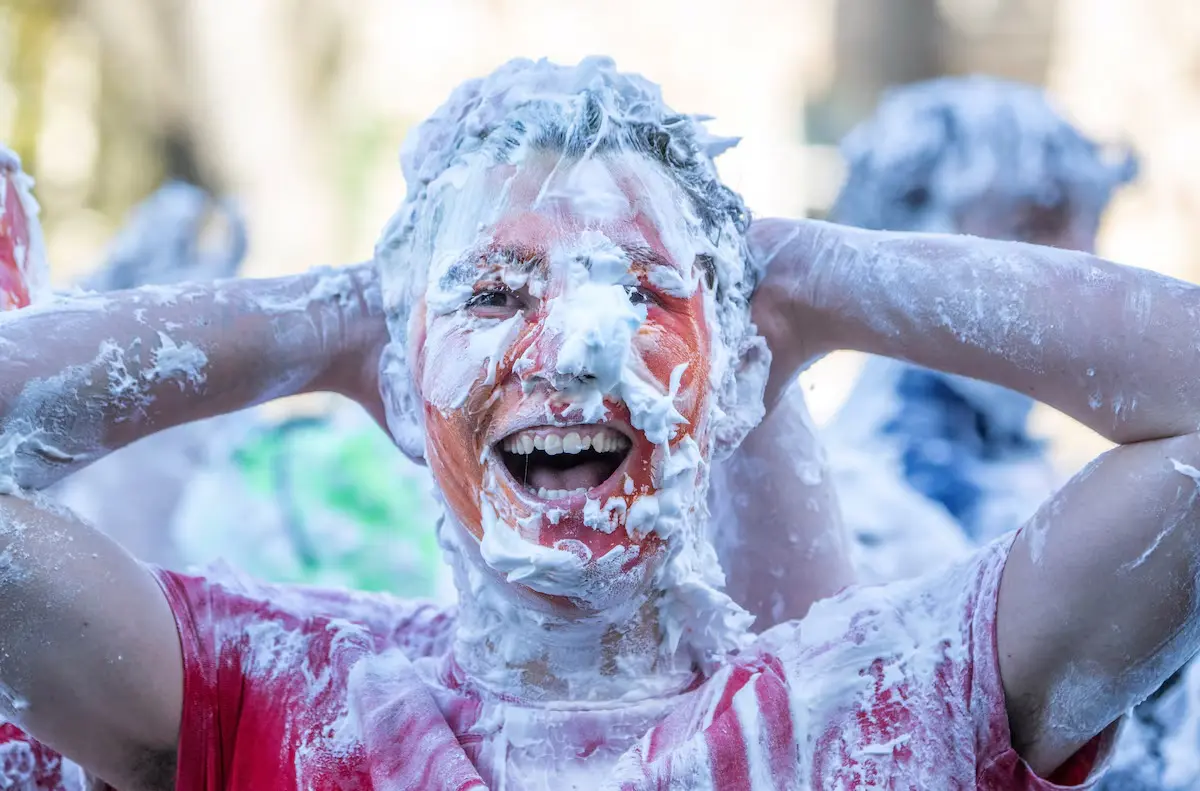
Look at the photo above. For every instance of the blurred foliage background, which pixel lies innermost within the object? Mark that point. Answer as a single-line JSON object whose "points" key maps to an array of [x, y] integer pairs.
{"points": [[297, 107]]}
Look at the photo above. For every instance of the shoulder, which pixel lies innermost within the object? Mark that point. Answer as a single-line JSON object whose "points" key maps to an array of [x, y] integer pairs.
{"points": [[277, 664], [890, 673], [223, 605], [941, 609]]}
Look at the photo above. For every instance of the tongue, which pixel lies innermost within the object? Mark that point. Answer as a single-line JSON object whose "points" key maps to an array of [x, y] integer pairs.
{"points": [[584, 475]]}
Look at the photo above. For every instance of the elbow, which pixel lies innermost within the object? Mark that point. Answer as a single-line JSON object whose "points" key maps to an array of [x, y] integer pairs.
{"points": [[28, 464]]}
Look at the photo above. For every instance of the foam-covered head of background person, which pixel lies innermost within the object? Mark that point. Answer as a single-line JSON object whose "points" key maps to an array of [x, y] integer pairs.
{"points": [[23, 273], [980, 156], [567, 287]]}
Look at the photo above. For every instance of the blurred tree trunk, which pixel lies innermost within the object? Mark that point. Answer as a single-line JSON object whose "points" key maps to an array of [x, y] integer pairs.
{"points": [[877, 43], [34, 28], [231, 96]]}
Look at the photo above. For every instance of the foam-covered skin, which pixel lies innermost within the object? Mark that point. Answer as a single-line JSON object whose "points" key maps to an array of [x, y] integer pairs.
{"points": [[984, 157], [585, 321], [1098, 603], [780, 478], [526, 388], [151, 351], [162, 243]]}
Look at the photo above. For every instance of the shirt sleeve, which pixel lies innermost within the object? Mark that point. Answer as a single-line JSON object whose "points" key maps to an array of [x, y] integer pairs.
{"points": [[198, 764], [249, 647], [999, 764]]}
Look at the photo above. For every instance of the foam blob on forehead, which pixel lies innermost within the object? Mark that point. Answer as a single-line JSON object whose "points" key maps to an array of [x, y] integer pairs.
{"points": [[933, 147], [575, 114]]}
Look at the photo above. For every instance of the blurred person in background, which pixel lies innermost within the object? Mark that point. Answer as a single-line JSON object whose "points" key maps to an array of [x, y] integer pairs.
{"points": [[930, 464], [23, 274]]}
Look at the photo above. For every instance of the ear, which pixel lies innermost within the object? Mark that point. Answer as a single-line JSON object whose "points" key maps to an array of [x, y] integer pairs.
{"points": [[402, 402], [740, 397]]}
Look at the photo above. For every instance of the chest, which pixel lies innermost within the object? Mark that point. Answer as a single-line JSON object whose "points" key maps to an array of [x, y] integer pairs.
{"points": [[737, 730], [395, 724]]}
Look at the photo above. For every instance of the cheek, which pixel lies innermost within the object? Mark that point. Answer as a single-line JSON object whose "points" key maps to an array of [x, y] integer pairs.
{"points": [[674, 337], [454, 466], [449, 437], [446, 375]]}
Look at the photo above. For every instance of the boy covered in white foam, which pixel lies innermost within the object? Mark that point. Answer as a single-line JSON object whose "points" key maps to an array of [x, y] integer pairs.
{"points": [[567, 273]]}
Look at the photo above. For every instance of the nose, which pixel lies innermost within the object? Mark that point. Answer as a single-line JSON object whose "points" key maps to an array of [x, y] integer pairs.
{"points": [[583, 337], [540, 362]]}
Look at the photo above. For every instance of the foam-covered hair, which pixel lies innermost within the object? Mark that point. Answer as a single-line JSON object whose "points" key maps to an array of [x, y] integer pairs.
{"points": [[590, 109], [933, 147]]}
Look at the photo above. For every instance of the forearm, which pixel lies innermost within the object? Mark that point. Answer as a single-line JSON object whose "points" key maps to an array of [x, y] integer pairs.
{"points": [[84, 376], [1114, 347]]}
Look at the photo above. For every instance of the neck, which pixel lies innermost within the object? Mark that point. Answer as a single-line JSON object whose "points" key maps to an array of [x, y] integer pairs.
{"points": [[515, 643]]}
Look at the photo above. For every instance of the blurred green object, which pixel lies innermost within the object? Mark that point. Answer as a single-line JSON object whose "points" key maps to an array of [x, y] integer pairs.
{"points": [[325, 500]]}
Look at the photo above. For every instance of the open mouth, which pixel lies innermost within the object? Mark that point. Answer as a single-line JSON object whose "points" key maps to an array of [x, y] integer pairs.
{"points": [[557, 462]]}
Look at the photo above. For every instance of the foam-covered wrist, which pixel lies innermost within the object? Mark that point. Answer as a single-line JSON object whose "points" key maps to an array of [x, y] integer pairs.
{"points": [[349, 311]]}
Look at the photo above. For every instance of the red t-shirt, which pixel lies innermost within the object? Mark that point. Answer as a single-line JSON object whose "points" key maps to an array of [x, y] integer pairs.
{"points": [[893, 687]]}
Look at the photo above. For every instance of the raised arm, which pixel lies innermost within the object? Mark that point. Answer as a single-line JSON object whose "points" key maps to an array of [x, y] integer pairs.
{"points": [[1098, 601], [87, 375], [89, 656]]}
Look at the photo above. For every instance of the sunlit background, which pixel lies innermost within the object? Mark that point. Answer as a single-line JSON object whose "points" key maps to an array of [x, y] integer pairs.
{"points": [[297, 107]]}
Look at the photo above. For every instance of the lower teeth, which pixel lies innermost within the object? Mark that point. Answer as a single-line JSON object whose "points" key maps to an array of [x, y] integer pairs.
{"points": [[557, 494]]}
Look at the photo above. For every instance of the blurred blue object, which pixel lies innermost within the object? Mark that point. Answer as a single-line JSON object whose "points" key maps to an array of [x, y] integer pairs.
{"points": [[953, 433]]}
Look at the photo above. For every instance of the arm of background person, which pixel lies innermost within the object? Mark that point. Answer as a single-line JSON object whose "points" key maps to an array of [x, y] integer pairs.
{"points": [[1098, 602]]}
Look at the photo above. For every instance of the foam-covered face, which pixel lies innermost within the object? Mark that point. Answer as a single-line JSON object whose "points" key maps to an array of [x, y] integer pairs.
{"points": [[562, 353], [14, 245]]}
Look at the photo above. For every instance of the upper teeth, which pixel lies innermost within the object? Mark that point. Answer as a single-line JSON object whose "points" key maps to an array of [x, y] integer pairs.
{"points": [[601, 440]]}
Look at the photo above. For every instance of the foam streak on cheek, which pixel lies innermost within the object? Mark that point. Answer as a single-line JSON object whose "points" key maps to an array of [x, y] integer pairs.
{"points": [[466, 353]]}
